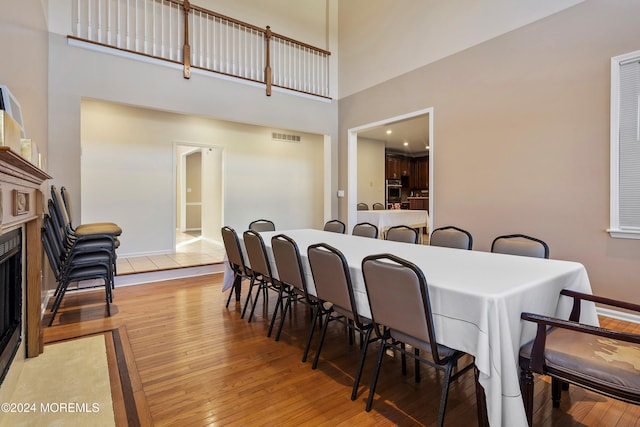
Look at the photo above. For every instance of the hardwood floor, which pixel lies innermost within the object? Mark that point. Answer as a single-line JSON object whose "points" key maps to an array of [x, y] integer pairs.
{"points": [[200, 364]]}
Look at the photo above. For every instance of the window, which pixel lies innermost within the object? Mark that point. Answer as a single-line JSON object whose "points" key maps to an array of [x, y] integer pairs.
{"points": [[625, 146]]}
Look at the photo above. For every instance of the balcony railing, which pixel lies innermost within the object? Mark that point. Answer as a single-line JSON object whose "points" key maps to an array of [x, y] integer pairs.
{"points": [[180, 32]]}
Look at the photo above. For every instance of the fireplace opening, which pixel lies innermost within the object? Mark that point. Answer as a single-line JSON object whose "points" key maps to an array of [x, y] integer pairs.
{"points": [[10, 298]]}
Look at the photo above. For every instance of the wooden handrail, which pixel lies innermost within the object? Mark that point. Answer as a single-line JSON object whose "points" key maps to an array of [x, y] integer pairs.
{"points": [[267, 67]]}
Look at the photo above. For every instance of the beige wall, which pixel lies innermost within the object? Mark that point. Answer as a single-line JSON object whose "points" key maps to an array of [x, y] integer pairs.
{"points": [[371, 164], [23, 69], [382, 39], [521, 136]]}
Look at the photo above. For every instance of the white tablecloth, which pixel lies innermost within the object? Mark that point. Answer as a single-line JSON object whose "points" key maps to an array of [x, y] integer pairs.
{"points": [[476, 299], [383, 219]]}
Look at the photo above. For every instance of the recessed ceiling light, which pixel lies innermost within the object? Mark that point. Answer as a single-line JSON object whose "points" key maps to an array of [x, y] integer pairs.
{"points": [[389, 132]]}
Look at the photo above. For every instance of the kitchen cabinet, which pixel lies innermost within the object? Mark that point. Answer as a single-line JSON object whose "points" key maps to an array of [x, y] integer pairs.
{"points": [[420, 173], [397, 167], [419, 203]]}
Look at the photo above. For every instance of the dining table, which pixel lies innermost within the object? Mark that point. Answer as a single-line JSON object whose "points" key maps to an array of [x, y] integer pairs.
{"points": [[387, 218], [476, 300]]}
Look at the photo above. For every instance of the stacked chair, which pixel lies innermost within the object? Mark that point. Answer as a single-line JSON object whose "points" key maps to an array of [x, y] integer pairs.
{"points": [[75, 254]]}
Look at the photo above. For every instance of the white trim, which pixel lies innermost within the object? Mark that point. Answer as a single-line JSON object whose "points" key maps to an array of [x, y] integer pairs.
{"points": [[624, 234], [614, 142], [619, 315], [352, 163]]}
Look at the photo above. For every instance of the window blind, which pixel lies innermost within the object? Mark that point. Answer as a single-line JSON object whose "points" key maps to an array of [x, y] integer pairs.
{"points": [[629, 146]]}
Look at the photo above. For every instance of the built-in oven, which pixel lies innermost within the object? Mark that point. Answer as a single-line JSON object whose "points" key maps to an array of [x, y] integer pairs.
{"points": [[394, 190]]}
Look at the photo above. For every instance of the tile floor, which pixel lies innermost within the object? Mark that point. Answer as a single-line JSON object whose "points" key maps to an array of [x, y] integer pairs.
{"points": [[191, 251]]}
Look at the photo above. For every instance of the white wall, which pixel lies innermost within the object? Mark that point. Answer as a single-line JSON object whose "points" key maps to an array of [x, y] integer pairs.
{"points": [[77, 73], [128, 173], [382, 39], [371, 165]]}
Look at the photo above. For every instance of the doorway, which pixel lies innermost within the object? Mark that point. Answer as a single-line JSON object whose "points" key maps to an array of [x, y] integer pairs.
{"points": [[199, 195], [352, 161]]}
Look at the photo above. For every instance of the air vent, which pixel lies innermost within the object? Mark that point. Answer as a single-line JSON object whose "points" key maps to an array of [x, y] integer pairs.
{"points": [[276, 136]]}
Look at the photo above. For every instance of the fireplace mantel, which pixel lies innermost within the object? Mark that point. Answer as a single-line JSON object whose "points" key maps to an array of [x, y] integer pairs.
{"points": [[22, 204]]}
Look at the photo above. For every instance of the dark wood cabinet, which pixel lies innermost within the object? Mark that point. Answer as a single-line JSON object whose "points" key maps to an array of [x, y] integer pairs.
{"points": [[419, 203], [420, 175], [397, 167]]}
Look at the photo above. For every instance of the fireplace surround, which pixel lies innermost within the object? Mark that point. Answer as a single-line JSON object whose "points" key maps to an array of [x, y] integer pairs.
{"points": [[21, 209]]}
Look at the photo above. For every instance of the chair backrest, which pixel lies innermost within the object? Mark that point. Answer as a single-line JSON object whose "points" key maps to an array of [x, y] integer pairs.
{"points": [[365, 229], [520, 244], [288, 262], [399, 299], [331, 277], [257, 253], [60, 211], [451, 237], [335, 226], [66, 201], [362, 207], [402, 233], [262, 225], [377, 206], [233, 249]]}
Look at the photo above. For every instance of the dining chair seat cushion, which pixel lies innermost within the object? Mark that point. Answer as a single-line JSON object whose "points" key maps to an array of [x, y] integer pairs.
{"points": [[592, 359], [107, 228], [346, 313], [444, 351]]}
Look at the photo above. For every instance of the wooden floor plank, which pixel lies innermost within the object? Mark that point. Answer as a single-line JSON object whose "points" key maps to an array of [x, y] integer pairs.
{"points": [[198, 363]]}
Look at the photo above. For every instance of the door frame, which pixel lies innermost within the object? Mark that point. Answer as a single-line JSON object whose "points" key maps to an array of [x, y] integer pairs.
{"points": [[352, 162]]}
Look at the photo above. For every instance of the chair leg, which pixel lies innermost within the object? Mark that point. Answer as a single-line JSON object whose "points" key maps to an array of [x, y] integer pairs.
{"points": [[237, 281], [481, 400], [261, 287], [275, 310], [246, 303], [526, 389], [363, 355], [403, 359], [446, 382], [556, 392], [316, 312], [416, 351], [285, 310], [325, 325], [376, 372]]}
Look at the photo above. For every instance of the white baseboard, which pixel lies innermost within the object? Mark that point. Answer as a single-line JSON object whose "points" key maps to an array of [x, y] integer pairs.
{"points": [[620, 315]]}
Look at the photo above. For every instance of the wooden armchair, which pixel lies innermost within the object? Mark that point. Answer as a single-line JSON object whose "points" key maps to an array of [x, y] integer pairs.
{"points": [[602, 360]]}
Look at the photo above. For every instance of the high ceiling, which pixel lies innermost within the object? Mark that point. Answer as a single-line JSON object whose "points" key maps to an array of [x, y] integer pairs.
{"points": [[413, 131]]}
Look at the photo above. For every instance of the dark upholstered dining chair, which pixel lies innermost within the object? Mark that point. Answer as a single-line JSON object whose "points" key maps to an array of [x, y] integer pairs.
{"points": [[335, 226], [451, 237], [365, 229], [291, 277], [261, 274], [262, 225], [520, 244], [333, 285], [362, 207], [377, 206], [402, 233], [400, 306], [604, 361], [236, 261]]}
